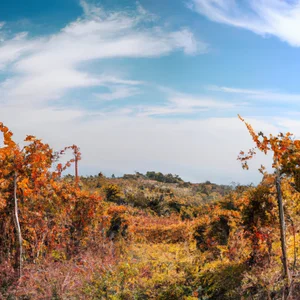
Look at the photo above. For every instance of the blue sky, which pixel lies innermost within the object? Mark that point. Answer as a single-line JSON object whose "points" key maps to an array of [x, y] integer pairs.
{"points": [[151, 85]]}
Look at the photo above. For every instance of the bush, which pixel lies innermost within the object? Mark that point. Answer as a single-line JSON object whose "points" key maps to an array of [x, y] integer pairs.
{"points": [[113, 193], [221, 280], [118, 223]]}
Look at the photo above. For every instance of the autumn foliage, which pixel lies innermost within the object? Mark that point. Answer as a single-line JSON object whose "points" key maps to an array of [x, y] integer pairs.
{"points": [[39, 212], [149, 236]]}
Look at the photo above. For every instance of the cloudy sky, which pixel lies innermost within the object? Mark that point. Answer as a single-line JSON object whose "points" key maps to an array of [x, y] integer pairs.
{"points": [[151, 85]]}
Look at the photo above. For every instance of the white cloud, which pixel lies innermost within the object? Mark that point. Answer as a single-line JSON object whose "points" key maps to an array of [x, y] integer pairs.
{"points": [[264, 17], [198, 150], [46, 67], [181, 103], [119, 141], [186, 39], [91, 11], [119, 92], [258, 94], [12, 49]]}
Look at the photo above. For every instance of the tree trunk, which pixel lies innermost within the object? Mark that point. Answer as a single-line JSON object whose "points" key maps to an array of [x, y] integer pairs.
{"points": [[18, 228], [295, 250], [287, 274], [76, 171]]}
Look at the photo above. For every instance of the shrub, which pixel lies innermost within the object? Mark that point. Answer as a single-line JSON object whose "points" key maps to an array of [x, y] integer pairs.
{"points": [[113, 193], [219, 280]]}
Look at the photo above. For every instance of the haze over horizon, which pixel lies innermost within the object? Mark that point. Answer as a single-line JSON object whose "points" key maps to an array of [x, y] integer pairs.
{"points": [[151, 85]]}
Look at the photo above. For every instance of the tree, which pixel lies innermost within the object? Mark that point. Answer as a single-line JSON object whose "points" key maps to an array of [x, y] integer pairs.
{"points": [[38, 209], [22, 170], [259, 217], [286, 163], [77, 156]]}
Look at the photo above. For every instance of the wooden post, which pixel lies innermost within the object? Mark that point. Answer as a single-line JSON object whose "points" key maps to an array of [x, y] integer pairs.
{"points": [[76, 166], [287, 274], [18, 227]]}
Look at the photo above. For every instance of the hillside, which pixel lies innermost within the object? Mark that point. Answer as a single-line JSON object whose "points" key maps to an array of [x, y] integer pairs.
{"points": [[143, 236]]}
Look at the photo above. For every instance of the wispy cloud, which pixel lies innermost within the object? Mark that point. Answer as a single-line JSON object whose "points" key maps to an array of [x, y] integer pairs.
{"points": [[181, 103], [258, 94], [265, 17], [119, 92], [43, 68], [12, 49]]}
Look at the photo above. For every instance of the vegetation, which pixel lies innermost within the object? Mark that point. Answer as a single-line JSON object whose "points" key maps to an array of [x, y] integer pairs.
{"points": [[149, 236]]}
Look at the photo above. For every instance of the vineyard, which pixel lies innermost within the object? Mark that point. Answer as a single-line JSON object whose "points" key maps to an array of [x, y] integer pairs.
{"points": [[146, 236]]}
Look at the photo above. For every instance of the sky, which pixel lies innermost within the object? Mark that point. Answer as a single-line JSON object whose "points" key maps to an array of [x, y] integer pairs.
{"points": [[152, 85]]}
